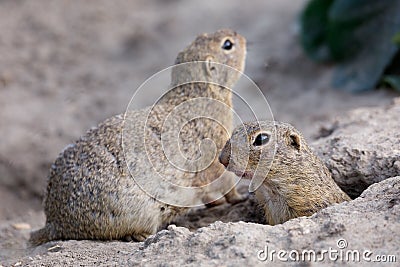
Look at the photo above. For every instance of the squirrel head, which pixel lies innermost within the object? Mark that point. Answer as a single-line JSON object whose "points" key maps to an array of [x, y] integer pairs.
{"points": [[264, 149], [218, 58]]}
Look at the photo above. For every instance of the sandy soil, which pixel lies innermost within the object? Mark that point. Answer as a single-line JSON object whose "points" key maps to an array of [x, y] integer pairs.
{"points": [[67, 65]]}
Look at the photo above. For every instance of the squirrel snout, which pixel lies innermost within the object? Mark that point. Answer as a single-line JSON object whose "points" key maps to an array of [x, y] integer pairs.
{"points": [[224, 157]]}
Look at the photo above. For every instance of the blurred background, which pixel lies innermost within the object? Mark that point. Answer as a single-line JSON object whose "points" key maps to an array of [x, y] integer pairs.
{"points": [[67, 65]]}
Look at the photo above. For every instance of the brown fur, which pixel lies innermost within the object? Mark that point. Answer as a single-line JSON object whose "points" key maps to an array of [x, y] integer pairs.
{"points": [[296, 182], [91, 193]]}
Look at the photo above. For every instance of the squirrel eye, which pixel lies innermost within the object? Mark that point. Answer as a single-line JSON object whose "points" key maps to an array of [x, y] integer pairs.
{"points": [[261, 139], [227, 45]]}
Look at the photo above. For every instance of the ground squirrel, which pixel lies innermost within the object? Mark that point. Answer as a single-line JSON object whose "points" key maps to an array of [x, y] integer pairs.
{"points": [[92, 191], [296, 182]]}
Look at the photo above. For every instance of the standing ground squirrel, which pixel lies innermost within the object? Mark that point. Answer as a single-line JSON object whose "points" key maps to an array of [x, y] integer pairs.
{"points": [[296, 182], [92, 190]]}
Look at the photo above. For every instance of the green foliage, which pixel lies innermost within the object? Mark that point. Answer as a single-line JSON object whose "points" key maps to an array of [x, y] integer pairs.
{"points": [[314, 21], [396, 39], [359, 36], [392, 81]]}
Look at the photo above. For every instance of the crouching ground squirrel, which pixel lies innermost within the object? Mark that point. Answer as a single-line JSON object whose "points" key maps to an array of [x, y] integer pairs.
{"points": [[92, 192], [296, 182]]}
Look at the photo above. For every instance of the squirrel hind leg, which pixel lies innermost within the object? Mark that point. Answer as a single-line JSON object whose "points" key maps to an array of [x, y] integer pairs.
{"points": [[213, 199], [225, 192], [216, 198], [234, 196]]}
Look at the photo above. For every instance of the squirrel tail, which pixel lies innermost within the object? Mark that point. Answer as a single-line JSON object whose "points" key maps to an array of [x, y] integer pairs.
{"points": [[42, 236]]}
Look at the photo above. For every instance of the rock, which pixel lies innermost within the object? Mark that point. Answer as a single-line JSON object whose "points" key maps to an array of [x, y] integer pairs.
{"points": [[364, 227], [363, 147]]}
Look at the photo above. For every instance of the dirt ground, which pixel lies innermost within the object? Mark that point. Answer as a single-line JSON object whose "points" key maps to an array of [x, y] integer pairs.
{"points": [[67, 65]]}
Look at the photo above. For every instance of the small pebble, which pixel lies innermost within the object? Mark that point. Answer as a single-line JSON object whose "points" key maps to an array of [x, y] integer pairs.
{"points": [[21, 226], [55, 248]]}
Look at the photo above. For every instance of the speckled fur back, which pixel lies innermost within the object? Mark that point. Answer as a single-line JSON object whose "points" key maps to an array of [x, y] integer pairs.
{"points": [[91, 192]]}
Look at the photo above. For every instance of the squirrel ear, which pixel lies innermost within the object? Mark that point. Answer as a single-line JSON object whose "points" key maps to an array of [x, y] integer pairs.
{"points": [[295, 141], [209, 65]]}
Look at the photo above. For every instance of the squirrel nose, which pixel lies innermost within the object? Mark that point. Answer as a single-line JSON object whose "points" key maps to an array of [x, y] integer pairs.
{"points": [[224, 157]]}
